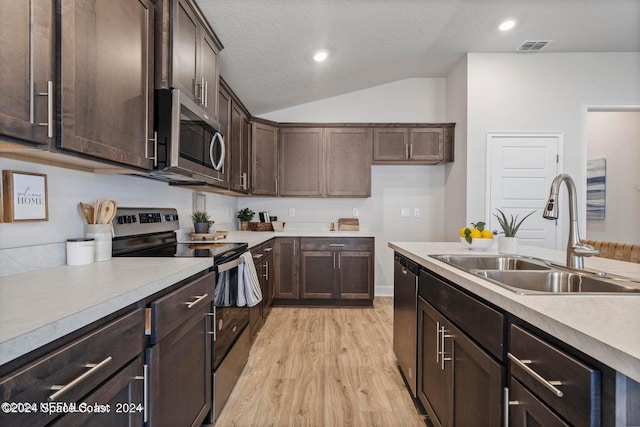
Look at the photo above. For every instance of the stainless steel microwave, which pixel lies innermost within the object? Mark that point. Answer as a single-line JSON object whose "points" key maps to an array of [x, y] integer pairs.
{"points": [[188, 145]]}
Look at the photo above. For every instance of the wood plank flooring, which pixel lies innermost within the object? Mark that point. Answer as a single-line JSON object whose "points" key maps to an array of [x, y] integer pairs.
{"points": [[323, 367]]}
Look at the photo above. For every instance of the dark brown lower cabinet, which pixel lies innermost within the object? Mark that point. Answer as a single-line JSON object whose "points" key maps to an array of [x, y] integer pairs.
{"points": [[179, 357], [124, 395], [286, 260], [458, 382], [525, 410]]}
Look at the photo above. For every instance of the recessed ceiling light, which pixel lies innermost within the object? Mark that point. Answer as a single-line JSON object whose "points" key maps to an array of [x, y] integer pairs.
{"points": [[507, 25], [320, 55]]}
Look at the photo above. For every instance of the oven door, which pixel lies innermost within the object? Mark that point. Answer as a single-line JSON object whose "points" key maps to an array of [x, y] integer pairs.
{"points": [[188, 140]]}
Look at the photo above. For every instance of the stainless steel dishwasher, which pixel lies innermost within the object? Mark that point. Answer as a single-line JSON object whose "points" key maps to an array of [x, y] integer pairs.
{"points": [[405, 298]]}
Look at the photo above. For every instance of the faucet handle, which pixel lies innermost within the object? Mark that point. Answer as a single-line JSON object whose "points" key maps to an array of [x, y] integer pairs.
{"points": [[582, 249]]}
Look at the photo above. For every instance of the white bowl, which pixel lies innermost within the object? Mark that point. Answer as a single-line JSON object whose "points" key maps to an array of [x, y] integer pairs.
{"points": [[477, 244]]}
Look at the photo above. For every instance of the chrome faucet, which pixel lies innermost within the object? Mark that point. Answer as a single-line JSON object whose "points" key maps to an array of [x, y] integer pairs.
{"points": [[575, 248]]}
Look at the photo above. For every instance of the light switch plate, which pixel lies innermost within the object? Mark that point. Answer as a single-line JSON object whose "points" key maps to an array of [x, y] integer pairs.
{"points": [[405, 212], [416, 212], [356, 212]]}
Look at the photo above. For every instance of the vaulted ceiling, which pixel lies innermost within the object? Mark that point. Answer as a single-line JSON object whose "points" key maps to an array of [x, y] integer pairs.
{"points": [[268, 44]]}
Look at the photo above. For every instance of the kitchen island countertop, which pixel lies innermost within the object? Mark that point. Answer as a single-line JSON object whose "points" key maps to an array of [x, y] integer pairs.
{"points": [[40, 306], [605, 327]]}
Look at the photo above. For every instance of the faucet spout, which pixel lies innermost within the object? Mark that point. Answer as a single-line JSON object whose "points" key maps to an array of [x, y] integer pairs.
{"points": [[575, 248]]}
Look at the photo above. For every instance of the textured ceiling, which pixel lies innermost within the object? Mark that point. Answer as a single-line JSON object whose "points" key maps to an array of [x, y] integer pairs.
{"points": [[268, 44]]}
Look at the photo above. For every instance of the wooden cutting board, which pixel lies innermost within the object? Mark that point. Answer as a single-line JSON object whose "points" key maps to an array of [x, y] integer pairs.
{"points": [[348, 224]]}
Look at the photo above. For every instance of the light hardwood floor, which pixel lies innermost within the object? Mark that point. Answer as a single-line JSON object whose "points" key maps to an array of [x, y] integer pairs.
{"points": [[323, 367]]}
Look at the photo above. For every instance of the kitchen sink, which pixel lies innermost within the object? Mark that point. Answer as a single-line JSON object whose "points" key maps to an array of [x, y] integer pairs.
{"points": [[493, 262], [555, 282], [534, 276]]}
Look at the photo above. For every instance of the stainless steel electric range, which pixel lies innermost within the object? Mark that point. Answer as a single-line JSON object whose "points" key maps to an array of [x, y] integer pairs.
{"points": [[150, 232]]}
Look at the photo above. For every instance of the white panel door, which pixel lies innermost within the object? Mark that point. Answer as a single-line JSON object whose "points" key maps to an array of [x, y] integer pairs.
{"points": [[520, 170]]}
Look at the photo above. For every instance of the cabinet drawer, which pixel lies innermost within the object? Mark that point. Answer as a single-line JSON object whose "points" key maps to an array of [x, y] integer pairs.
{"points": [[173, 309], [79, 367], [267, 248], [257, 253], [337, 244], [578, 383], [478, 320], [528, 410]]}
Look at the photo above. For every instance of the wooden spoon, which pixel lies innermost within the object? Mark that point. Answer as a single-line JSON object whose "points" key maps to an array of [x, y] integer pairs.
{"points": [[106, 211], [87, 212]]}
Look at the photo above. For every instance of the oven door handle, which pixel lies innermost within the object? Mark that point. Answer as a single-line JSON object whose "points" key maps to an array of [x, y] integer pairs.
{"points": [[229, 265]]}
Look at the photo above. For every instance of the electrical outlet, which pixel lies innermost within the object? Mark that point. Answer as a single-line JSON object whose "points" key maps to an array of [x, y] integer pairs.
{"points": [[227, 212], [292, 212], [405, 212], [416, 212], [356, 212]]}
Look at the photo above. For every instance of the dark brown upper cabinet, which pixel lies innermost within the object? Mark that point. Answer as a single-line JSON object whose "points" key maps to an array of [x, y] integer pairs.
{"points": [[348, 162], [239, 147], [302, 162], [413, 144], [27, 57], [188, 52], [106, 69], [264, 159]]}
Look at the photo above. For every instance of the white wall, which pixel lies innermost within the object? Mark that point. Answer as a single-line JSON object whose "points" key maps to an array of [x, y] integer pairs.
{"points": [[66, 188], [455, 205], [392, 187], [615, 135], [541, 92]]}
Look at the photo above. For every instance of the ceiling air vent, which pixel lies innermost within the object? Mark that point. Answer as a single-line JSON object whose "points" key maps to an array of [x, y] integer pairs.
{"points": [[532, 45]]}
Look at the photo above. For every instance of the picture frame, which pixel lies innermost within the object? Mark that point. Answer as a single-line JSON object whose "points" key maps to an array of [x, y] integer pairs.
{"points": [[25, 196], [199, 202]]}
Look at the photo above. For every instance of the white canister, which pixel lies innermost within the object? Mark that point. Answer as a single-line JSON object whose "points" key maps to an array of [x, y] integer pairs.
{"points": [[102, 235], [80, 251]]}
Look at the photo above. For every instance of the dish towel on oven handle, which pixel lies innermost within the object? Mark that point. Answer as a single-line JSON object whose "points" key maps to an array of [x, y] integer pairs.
{"points": [[249, 292]]}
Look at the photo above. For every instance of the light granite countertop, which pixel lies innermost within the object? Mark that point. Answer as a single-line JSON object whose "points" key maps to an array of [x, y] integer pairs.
{"points": [[254, 238], [41, 306], [605, 327]]}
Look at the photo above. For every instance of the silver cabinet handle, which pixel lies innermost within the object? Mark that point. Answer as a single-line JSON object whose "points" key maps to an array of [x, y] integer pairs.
{"points": [[411, 151], [336, 245], [206, 93], [198, 299], [508, 403], [339, 261], [62, 389], [213, 332], [267, 249], [294, 248], [266, 270], [200, 85], [145, 391], [155, 150], [549, 385], [258, 256], [406, 150], [334, 260], [49, 94], [243, 181], [443, 336]]}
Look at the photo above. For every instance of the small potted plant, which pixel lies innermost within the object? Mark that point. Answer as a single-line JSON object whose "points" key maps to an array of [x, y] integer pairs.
{"points": [[244, 216], [508, 244], [201, 221]]}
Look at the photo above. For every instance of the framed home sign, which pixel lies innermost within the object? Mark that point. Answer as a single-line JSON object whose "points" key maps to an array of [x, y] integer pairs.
{"points": [[24, 196]]}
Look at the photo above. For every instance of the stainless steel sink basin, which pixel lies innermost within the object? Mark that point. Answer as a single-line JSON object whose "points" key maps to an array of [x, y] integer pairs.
{"points": [[533, 276], [493, 262], [556, 282]]}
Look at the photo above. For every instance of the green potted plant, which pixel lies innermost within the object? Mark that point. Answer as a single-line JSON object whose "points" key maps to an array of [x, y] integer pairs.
{"points": [[508, 244], [201, 221], [244, 216]]}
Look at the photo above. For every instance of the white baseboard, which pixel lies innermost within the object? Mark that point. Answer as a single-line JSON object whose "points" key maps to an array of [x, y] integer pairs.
{"points": [[383, 291]]}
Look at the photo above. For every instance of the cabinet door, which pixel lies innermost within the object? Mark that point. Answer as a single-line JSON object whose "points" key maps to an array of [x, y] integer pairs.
{"points": [[390, 144], [349, 161], [239, 180], [302, 162], [124, 395], [264, 157], [270, 278], [527, 411], [434, 383], [426, 144], [180, 373], [107, 84], [355, 275], [27, 58], [208, 75], [477, 381], [224, 118], [286, 267], [317, 274], [185, 46]]}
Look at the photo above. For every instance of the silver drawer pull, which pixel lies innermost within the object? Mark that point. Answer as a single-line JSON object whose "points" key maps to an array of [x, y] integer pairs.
{"points": [[507, 404], [49, 95], [337, 245], [198, 299], [62, 389], [258, 256], [549, 385], [267, 249]]}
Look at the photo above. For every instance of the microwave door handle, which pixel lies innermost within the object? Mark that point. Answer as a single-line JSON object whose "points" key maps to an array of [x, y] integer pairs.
{"points": [[217, 166]]}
